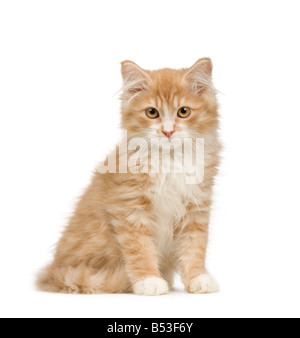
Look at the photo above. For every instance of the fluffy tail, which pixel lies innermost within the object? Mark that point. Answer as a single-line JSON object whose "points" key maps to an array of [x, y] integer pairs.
{"points": [[83, 279]]}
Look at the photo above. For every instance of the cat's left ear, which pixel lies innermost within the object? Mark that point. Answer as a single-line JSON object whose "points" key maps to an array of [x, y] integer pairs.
{"points": [[135, 79], [199, 75]]}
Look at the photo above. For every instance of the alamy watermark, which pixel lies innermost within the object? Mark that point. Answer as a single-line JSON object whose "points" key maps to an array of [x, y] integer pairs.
{"points": [[158, 155]]}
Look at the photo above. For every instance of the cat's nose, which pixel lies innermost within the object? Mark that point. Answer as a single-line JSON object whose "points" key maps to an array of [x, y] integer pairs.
{"points": [[168, 133]]}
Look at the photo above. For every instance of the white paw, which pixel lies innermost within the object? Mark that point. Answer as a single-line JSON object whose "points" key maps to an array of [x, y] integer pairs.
{"points": [[151, 286], [203, 284]]}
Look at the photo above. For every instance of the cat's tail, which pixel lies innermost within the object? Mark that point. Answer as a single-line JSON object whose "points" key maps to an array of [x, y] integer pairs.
{"points": [[83, 279]]}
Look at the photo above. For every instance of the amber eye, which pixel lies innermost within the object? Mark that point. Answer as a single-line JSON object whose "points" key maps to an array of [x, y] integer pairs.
{"points": [[152, 113], [184, 112]]}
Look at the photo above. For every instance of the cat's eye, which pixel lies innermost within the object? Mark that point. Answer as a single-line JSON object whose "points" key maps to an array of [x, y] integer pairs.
{"points": [[184, 112], [152, 113]]}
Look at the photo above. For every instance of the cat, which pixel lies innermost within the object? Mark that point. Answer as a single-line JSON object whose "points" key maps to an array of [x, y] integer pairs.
{"points": [[131, 232]]}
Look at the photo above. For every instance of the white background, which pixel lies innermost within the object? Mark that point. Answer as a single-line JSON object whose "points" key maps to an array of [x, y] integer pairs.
{"points": [[59, 73]]}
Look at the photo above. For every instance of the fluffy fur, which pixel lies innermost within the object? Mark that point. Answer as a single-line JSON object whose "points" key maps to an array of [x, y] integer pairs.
{"points": [[131, 232]]}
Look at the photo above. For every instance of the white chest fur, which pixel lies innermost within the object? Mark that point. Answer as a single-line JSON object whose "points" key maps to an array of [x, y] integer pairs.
{"points": [[170, 196]]}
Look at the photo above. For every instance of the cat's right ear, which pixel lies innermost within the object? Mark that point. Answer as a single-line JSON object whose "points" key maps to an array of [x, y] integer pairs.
{"points": [[135, 79]]}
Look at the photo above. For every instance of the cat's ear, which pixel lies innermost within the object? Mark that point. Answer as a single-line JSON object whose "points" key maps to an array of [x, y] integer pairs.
{"points": [[135, 79], [199, 75]]}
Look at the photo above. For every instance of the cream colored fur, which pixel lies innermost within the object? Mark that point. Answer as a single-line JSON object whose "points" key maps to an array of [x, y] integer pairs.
{"points": [[130, 232]]}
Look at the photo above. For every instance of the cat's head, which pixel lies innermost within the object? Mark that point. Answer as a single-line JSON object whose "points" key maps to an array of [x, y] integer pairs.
{"points": [[167, 102]]}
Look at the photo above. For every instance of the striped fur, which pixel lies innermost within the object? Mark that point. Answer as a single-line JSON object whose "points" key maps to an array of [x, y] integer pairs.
{"points": [[131, 232]]}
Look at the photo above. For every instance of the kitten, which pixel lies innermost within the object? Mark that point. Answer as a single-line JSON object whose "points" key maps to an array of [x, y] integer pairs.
{"points": [[131, 231]]}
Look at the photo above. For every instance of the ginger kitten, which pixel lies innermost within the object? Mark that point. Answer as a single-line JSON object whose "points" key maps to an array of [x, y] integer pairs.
{"points": [[132, 230]]}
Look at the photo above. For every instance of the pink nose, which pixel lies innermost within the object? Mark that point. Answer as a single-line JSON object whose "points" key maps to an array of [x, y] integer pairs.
{"points": [[168, 133]]}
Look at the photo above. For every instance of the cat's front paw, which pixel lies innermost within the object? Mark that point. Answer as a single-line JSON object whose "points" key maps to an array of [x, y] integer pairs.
{"points": [[151, 286], [203, 284]]}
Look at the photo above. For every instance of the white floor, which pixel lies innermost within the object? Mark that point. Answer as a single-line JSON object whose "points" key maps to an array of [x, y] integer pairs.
{"points": [[238, 299]]}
